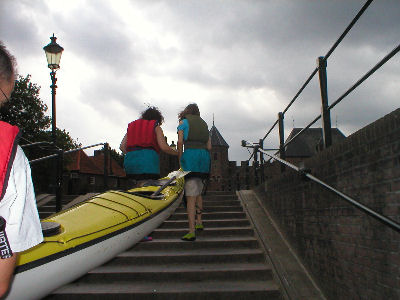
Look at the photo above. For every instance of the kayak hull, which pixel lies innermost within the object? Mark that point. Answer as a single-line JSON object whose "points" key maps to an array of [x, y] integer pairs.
{"points": [[40, 276]]}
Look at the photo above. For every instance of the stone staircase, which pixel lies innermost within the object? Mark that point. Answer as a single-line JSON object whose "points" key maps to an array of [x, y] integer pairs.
{"points": [[47, 204], [225, 262]]}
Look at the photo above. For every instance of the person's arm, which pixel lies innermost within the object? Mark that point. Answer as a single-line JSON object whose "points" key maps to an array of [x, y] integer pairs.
{"points": [[162, 143], [6, 271], [179, 144], [122, 147]]}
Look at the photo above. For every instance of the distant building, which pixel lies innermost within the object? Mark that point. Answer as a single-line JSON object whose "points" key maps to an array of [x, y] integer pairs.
{"points": [[168, 163], [219, 175], [85, 173], [227, 176], [308, 143]]}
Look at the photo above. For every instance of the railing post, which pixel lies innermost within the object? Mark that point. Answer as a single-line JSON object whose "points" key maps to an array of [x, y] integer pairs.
{"points": [[106, 154], [325, 112], [255, 165], [261, 143], [59, 180], [282, 153]]}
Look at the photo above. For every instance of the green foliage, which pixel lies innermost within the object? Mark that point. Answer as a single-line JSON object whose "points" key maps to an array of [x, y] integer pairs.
{"points": [[119, 158], [25, 109]]}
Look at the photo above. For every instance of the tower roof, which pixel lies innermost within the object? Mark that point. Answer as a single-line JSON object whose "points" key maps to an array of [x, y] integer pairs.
{"points": [[306, 144], [216, 137]]}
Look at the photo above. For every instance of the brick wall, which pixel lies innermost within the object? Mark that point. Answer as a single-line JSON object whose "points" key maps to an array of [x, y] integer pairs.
{"points": [[351, 255]]}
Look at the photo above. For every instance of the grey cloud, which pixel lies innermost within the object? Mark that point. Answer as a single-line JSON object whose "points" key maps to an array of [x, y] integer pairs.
{"points": [[230, 48], [96, 33], [20, 30]]}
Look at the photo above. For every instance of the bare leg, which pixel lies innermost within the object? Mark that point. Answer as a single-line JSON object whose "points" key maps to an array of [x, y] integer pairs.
{"points": [[191, 210], [6, 271], [199, 209]]}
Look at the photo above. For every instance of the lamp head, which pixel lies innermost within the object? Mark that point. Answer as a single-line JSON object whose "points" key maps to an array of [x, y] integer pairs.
{"points": [[53, 54]]}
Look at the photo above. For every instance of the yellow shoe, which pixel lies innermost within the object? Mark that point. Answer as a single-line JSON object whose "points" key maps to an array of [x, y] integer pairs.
{"points": [[189, 237], [199, 227]]}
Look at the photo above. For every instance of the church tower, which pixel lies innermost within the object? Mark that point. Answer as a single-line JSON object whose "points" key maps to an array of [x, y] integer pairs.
{"points": [[219, 175]]}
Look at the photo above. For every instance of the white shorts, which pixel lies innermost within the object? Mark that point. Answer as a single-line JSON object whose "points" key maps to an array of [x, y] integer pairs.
{"points": [[193, 186], [18, 207]]}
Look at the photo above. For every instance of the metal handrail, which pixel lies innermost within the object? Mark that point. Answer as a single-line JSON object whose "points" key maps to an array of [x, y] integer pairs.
{"points": [[65, 152], [331, 50], [352, 88], [58, 178], [385, 220], [368, 74], [346, 31], [83, 148], [36, 144], [301, 89]]}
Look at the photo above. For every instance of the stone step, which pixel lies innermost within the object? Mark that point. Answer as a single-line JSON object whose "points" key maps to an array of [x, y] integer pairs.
{"points": [[211, 215], [144, 290], [44, 215], [200, 256], [218, 193], [221, 203], [178, 272], [209, 232], [225, 262], [214, 209], [220, 198], [207, 223], [47, 208], [200, 243]]}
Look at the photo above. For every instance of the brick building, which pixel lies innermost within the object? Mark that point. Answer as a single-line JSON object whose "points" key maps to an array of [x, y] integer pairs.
{"points": [[84, 174], [225, 174]]}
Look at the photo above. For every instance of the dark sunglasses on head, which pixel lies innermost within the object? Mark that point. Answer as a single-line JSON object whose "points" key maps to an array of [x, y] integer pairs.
{"points": [[8, 99]]}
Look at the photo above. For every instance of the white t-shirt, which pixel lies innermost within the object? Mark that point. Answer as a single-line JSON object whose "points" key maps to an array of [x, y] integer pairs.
{"points": [[18, 207]]}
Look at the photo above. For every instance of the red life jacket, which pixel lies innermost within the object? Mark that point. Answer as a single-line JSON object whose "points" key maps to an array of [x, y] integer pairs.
{"points": [[142, 134], [9, 136]]}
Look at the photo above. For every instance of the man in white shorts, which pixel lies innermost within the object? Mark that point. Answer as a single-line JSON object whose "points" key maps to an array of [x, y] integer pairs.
{"points": [[19, 219]]}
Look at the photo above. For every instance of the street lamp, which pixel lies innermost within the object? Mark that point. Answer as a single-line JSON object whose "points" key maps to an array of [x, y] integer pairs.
{"points": [[53, 54]]}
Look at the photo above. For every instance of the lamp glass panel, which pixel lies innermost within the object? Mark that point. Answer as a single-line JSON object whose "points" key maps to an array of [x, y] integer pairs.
{"points": [[53, 59]]}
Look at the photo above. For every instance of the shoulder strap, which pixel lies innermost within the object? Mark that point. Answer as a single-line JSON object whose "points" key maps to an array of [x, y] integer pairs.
{"points": [[9, 137]]}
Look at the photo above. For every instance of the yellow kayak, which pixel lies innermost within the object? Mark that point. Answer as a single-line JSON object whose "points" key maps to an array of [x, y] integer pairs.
{"points": [[91, 233]]}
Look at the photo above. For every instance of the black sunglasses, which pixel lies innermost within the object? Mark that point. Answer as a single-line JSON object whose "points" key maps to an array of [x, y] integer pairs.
{"points": [[8, 99]]}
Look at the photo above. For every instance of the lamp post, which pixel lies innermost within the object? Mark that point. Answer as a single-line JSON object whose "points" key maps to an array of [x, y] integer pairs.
{"points": [[53, 54]]}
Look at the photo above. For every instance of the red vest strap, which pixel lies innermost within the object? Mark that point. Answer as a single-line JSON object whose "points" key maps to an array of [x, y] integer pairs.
{"points": [[141, 134], [9, 136]]}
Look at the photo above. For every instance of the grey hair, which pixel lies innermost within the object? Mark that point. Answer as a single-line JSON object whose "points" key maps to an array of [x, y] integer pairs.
{"points": [[7, 64]]}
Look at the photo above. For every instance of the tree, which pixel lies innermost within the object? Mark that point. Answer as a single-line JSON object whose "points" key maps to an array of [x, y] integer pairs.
{"points": [[25, 109], [119, 158]]}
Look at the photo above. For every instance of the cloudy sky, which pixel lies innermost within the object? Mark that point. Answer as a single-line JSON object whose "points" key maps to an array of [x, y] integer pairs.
{"points": [[241, 61]]}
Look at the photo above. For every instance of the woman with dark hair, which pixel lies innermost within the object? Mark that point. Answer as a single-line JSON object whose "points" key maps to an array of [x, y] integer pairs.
{"points": [[142, 144], [194, 136]]}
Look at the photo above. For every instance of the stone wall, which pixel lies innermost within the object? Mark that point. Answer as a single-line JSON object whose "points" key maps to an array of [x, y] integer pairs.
{"points": [[350, 254]]}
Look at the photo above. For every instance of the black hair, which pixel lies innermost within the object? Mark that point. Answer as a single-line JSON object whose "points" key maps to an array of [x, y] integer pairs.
{"points": [[153, 113]]}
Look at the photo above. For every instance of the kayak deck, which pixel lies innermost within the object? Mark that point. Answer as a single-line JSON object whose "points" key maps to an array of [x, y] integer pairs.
{"points": [[100, 216]]}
